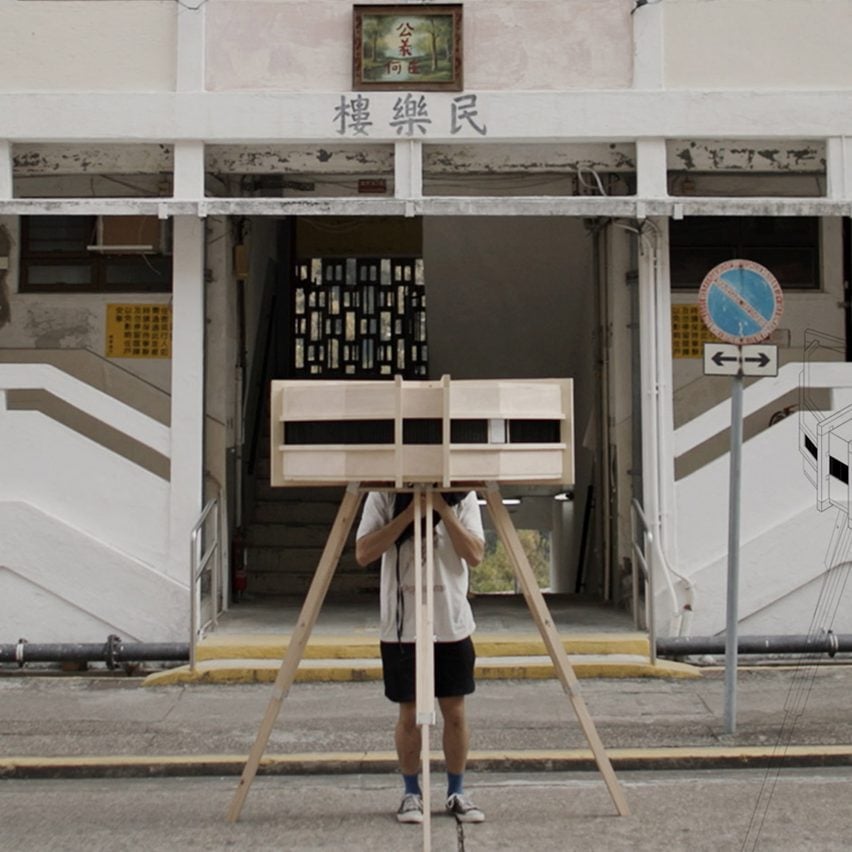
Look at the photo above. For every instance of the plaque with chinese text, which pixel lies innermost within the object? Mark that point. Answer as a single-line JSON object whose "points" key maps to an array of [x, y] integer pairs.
{"points": [[414, 47], [139, 331]]}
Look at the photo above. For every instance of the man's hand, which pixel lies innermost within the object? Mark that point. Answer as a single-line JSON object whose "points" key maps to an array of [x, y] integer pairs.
{"points": [[468, 546]]}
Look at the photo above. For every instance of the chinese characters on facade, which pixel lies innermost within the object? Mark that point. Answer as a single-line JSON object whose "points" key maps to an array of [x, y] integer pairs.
{"points": [[410, 116]]}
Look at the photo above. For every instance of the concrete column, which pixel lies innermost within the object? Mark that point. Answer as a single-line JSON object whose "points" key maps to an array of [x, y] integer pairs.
{"points": [[189, 171], [5, 170], [187, 405], [665, 394], [651, 166], [191, 65], [408, 169], [648, 46], [656, 390], [839, 168], [648, 374], [562, 571]]}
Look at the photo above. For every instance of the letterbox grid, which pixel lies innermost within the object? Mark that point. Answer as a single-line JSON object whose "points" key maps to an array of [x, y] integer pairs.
{"points": [[359, 318]]}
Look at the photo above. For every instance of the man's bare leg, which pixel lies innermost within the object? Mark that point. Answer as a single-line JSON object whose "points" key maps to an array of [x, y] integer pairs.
{"points": [[456, 745], [456, 733], [407, 739]]}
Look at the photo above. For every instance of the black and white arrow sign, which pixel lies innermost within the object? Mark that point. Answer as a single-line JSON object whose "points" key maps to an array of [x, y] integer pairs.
{"points": [[728, 359]]}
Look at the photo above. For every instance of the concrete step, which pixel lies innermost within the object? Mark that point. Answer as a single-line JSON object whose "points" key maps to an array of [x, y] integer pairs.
{"points": [[257, 658], [288, 534], [289, 583], [492, 668], [274, 559], [296, 512]]}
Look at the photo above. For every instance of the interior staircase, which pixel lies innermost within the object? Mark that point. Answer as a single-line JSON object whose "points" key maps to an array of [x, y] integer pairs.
{"points": [[285, 535], [285, 540]]}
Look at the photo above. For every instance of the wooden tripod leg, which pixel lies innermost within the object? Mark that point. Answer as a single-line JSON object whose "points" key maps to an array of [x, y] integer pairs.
{"points": [[544, 622], [424, 629], [296, 647]]}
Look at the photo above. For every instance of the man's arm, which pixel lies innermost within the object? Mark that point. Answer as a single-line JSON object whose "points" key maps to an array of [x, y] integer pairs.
{"points": [[468, 546], [371, 546]]}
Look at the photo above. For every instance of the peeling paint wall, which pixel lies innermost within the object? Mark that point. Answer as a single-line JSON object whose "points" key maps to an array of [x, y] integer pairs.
{"points": [[58, 159]]}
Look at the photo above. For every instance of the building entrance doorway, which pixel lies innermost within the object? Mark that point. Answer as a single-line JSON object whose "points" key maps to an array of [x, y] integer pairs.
{"points": [[472, 297]]}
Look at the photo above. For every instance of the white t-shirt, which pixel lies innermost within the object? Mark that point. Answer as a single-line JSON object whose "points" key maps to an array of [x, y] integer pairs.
{"points": [[453, 618]]}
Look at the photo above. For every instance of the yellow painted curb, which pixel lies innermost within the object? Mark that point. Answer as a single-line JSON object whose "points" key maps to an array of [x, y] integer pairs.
{"points": [[662, 757], [265, 671], [587, 670], [272, 646]]}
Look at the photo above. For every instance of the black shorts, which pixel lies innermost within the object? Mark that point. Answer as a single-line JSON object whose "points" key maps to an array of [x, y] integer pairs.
{"points": [[454, 663]]}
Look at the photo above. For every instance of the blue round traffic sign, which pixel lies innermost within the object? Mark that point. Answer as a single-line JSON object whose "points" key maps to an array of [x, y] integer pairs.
{"points": [[740, 301]]}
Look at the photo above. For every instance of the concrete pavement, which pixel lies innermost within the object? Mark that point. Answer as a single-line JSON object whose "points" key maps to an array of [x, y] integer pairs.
{"points": [[86, 762], [540, 812], [110, 726]]}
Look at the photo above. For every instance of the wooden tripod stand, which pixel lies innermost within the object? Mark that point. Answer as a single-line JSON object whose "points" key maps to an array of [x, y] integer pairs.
{"points": [[425, 674]]}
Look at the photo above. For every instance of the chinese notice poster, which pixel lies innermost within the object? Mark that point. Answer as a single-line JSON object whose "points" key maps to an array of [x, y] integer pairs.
{"points": [[139, 331]]}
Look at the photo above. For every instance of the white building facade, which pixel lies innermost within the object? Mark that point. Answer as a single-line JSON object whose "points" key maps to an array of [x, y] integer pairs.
{"points": [[179, 178]]}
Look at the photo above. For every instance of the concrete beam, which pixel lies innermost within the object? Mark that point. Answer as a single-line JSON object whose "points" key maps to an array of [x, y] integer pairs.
{"points": [[574, 116], [608, 206], [408, 169]]}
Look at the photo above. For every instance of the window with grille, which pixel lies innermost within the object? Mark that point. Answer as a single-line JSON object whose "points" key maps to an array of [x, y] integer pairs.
{"points": [[788, 246], [60, 254], [359, 318]]}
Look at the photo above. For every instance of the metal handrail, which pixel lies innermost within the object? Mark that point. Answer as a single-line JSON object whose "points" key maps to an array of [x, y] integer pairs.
{"points": [[647, 566], [198, 564]]}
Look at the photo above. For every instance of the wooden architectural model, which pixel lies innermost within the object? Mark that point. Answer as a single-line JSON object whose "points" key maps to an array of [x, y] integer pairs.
{"points": [[421, 436], [418, 432]]}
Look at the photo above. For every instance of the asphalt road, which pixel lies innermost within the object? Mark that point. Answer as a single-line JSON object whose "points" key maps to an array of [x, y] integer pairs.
{"points": [[734, 810]]}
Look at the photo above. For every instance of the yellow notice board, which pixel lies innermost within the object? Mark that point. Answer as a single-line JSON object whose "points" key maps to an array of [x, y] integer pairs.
{"points": [[139, 331], [689, 334]]}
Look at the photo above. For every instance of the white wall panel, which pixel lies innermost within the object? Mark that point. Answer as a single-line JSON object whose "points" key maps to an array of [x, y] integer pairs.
{"points": [[758, 44], [112, 45], [300, 46]]}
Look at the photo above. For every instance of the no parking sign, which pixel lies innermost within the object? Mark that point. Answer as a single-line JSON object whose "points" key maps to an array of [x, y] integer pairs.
{"points": [[740, 301]]}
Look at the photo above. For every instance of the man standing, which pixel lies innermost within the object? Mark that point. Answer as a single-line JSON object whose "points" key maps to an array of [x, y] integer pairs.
{"points": [[387, 531]]}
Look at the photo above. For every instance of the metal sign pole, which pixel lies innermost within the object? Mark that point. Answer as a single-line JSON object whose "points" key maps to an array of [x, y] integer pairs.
{"points": [[733, 554], [741, 302]]}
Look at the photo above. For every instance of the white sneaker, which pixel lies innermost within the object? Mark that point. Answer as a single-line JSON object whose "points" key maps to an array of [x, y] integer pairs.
{"points": [[411, 808], [463, 809]]}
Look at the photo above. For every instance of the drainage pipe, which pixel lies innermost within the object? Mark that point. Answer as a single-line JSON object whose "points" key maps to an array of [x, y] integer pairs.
{"points": [[823, 643], [112, 652]]}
